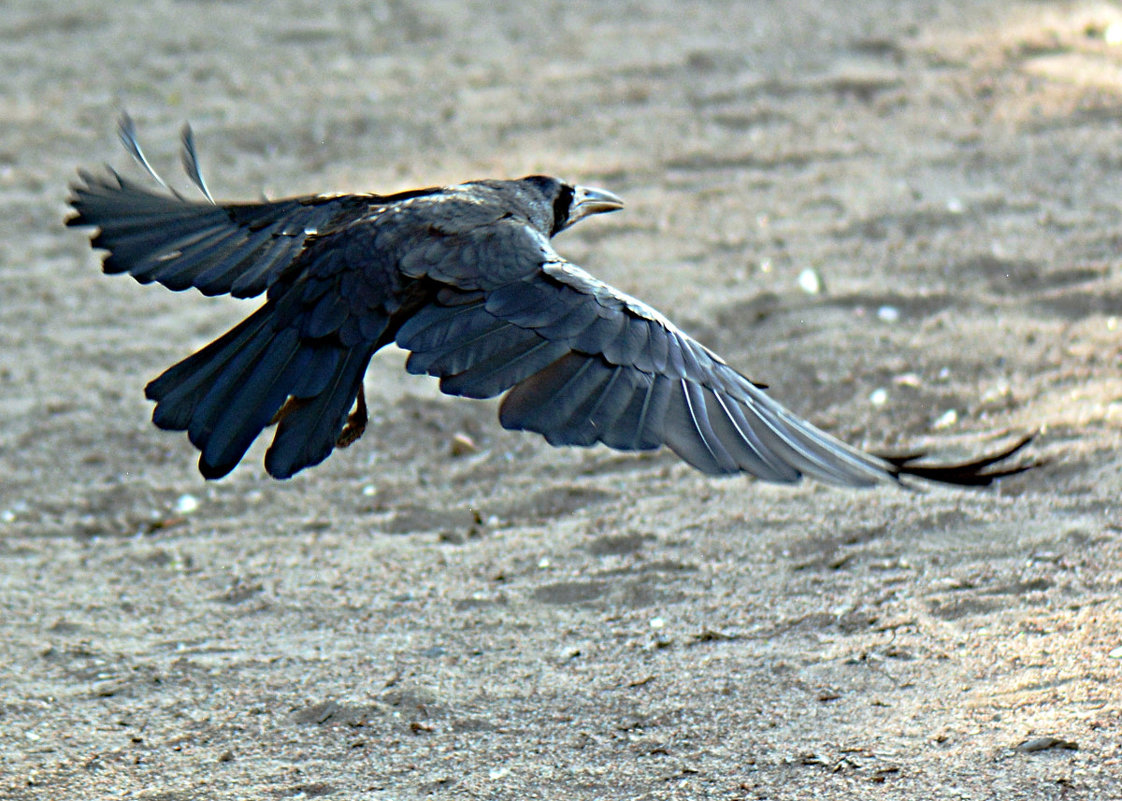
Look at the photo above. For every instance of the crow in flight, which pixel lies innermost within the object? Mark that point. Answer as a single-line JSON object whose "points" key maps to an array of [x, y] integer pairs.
{"points": [[466, 279]]}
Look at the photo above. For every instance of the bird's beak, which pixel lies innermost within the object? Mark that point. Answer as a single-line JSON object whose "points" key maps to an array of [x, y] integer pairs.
{"points": [[587, 201]]}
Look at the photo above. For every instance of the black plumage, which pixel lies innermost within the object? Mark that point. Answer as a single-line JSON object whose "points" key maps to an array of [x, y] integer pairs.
{"points": [[466, 279]]}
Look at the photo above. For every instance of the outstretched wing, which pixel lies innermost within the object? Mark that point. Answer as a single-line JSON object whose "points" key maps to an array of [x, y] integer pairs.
{"points": [[238, 248], [586, 363]]}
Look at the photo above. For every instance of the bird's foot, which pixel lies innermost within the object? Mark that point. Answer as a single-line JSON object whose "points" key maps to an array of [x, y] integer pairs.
{"points": [[356, 422], [290, 405]]}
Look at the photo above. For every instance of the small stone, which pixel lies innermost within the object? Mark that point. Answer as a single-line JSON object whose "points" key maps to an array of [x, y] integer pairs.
{"points": [[109, 688], [946, 419], [462, 445], [879, 397], [1043, 744], [888, 314], [1112, 35], [810, 281], [185, 504], [1116, 653]]}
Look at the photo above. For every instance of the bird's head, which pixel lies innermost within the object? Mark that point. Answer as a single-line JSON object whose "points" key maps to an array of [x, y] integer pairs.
{"points": [[556, 205]]}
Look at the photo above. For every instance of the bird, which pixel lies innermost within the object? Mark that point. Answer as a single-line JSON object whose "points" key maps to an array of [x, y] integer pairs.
{"points": [[466, 279]]}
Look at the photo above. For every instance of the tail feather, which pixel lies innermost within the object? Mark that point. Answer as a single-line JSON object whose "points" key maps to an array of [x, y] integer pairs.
{"points": [[308, 434], [235, 411], [226, 394], [257, 360], [180, 388]]}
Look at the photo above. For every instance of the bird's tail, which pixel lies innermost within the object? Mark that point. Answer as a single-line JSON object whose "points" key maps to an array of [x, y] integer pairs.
{"points": [[224, 395]]}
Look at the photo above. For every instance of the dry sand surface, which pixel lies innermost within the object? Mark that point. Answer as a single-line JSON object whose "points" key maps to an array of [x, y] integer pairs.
{"points": [[520, 622]]}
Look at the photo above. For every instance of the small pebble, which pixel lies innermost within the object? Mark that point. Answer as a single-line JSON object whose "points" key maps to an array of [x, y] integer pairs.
{"points": [[955, 206], [1116, 653], [1044, 743], [462, 445], [997, 392], [879, 397], [946, 419], [1113, 34], [810, 282], [888, 314], [185, 504], [657, 623]]}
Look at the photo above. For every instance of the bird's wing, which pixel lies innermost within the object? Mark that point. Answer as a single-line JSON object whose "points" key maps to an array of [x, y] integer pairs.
{"points": [[586, 363], [238, 248]]}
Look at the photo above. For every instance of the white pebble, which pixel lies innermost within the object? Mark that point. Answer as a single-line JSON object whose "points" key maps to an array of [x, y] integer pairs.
{"points": [[657, 623], [810, 282], [1113, 34], [946, 419], [888, 314], [879, 397], [1116, 653], [955, 206], [185, 504]]}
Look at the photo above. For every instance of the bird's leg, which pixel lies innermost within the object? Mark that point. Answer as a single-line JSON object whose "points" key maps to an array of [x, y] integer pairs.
{"points": [[356, 421], [290, 405]]}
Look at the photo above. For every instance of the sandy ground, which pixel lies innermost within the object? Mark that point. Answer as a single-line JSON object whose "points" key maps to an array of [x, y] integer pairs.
{"points": [[522, 622]]}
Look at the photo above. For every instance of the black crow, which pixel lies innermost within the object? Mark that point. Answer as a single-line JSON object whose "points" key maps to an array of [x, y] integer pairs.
{"points": [[466, 279]]}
